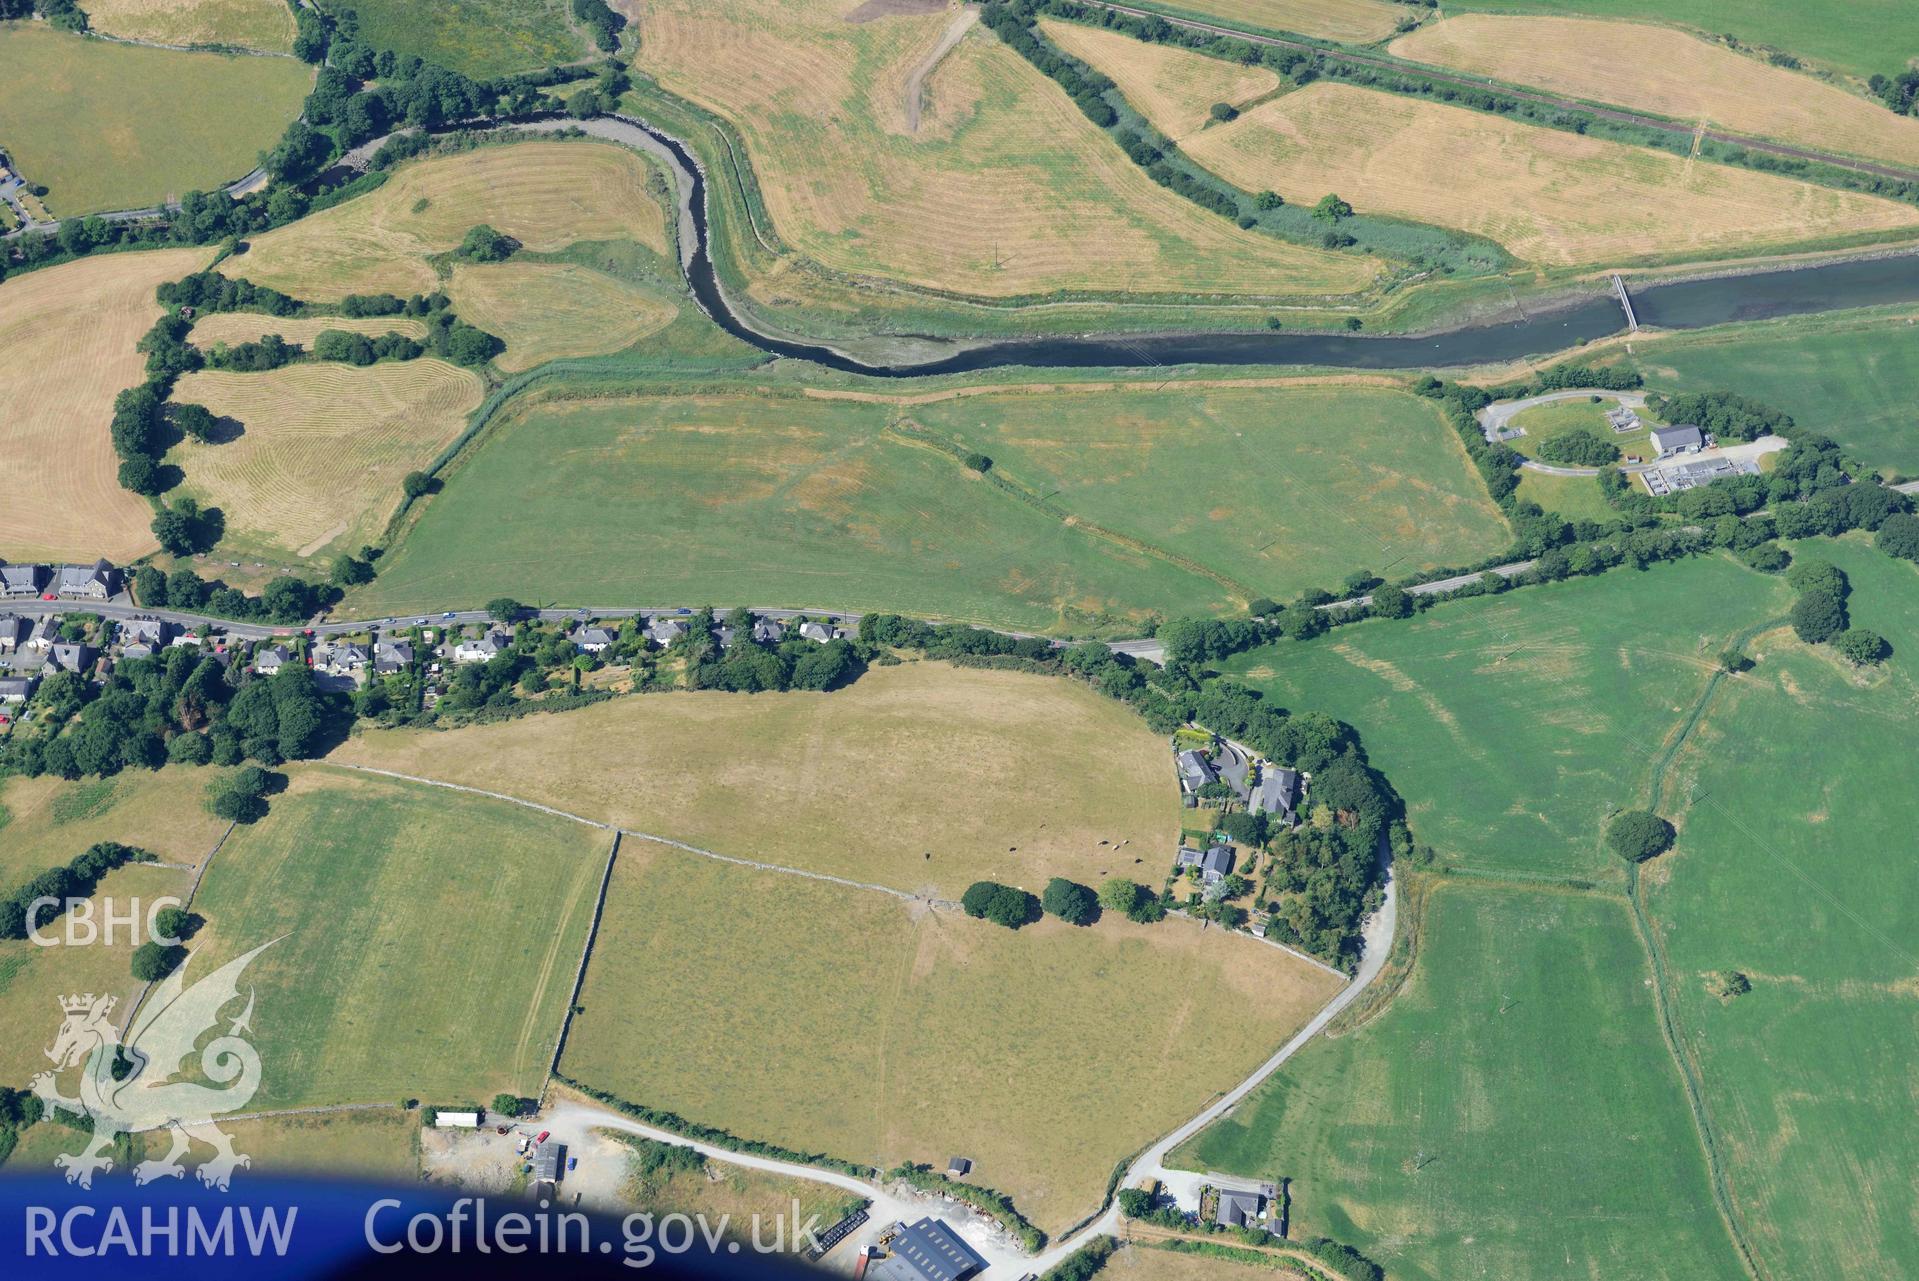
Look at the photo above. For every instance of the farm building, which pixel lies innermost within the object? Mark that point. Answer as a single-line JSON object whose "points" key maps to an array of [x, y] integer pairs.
{"points": [[549, 1161], [1677, 440], [457, 1120], [927, 1251]]}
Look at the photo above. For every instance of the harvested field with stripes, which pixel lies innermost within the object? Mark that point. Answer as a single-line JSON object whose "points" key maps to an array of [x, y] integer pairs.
{"points": [[549, 310], [266, 25], [1553, 198], [1172, 87], [546, 195], [67, 338], [1005, 189], [1656, 69], [319, 462], [1347, 21]]}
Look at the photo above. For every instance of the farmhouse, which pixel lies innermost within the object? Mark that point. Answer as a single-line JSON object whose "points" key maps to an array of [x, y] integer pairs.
{"points": [[1677, 440], [1277, 793], [98, 581], [1237, 1209], [17, 581], [927, 1251]]}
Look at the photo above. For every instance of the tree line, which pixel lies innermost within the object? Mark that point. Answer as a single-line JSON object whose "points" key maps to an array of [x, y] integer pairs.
{"points": [[73, 880]]}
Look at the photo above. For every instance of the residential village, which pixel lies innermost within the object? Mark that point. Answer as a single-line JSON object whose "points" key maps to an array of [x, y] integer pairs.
{"points": [[400, 666]]}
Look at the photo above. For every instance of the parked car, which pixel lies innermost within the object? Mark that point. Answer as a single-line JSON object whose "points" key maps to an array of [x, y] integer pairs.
{"points": [[541, 1136], [573, 1163]]}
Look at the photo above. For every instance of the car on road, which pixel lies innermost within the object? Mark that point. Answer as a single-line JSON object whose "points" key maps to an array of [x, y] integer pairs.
{"points": [[682, 611], [448, 614]]}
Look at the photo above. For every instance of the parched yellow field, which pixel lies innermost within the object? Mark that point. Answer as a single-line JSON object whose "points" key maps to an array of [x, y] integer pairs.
{"points": [[1547, 196], [324, 447], [379, 1143], [248, 24], [34, 978], [248, 326], [848, 1022], [67, 338], [50, 819], [1665, 71], [547, 310], [1004, 189], [1348, 21], [1002, 775], [547, 195], [1172, 87]]}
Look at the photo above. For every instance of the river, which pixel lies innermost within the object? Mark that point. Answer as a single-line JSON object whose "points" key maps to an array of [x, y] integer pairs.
{"points": [[1688, 304]]}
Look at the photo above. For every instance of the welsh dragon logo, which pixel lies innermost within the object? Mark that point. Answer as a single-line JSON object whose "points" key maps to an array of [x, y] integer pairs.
{"points": [[150, 1096]]}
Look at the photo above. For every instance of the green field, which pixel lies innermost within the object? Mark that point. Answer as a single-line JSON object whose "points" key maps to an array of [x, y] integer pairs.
{"points": [[760, 500], [478, 38], [1793, 868], [1573, 497], [1279, 489], [1855, 36], [1102, 506], [855, 1024], [1513, 1113], [1512, 724], [427, 942], [1858, 383], [1542, 423], [117, 126]]}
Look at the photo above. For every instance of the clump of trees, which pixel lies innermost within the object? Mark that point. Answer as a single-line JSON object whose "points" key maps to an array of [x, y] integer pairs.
{"points": [[241, 797], [1727, 984], [1581, 447], [1819, 612], [76, 880], [1132, 900], [175, 706], [153, 960], [1000, 904], [1637, 835], [1070, 901], [1726, 415], [484, 244], [602, 21]]}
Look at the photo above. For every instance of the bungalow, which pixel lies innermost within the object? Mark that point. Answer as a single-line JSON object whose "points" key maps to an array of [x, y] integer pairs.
{"points": [[1238, 1209], [17, 689], [391, 656], [13, 632], [98, 581], [1682, 439], [489, 646], [768, 631], [1214, 864], [66, 657], [594, 640], [17, 581], [821, 632], [271, 659], [340, 659], [664, 631], [1277, 793]]}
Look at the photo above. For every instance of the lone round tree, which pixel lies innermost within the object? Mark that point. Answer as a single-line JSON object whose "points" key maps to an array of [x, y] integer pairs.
{"points": [[1637, 835], [1070, 901]]}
